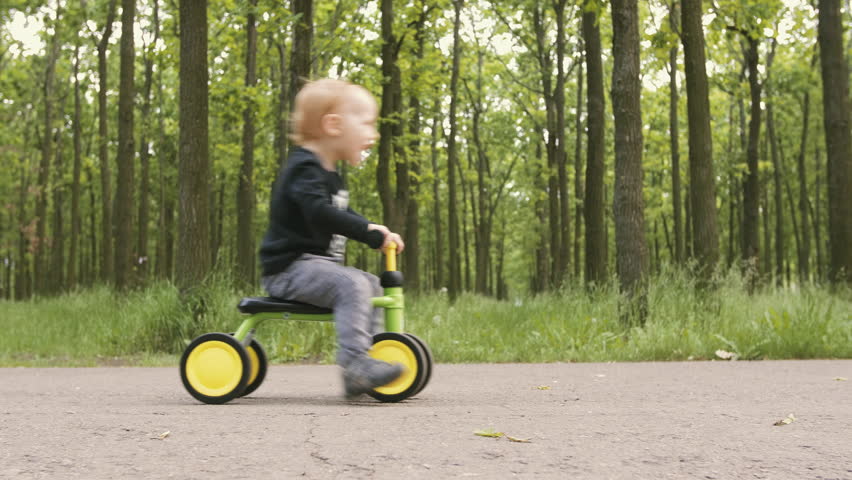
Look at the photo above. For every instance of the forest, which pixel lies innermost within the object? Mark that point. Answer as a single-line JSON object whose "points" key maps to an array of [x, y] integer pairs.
{"points": [[525, 145]]}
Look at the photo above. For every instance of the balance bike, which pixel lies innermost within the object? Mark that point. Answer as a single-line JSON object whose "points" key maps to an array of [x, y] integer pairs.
{"points": [[217, 367]]}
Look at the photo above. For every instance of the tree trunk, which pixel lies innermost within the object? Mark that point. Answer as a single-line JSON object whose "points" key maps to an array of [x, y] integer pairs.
{"points": [[578, 176], [817, 216], [702, 181], [281, 110], [107, 259], [593, 204], [674, 130], [21, 279], [452, 160], [246, 255], [73, 252], [436, 192], [387, 123], [838, 139], [42, 275], [123, 218], [56, 279], [628, 201], [751, 190], [780, 248], [193, 262], [561, 149], [805, 247], [144, 155], [300, 53]]}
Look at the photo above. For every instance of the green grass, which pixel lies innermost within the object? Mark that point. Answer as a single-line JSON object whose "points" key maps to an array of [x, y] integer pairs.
{"points": [[151, 326]]}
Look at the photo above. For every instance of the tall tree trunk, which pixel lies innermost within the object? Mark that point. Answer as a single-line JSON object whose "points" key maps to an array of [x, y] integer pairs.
{"points": [[674, 130], [817, 215], [545, 63], [628, 202], [702, 181], [144, 154], [193, 263], [805, 250], [578, 176], [561, 149], [123, 218], [42, 275], [281, 113], [107, 259], [838, 139], [22, 264], [780, 248], [246, 255], [300, 53], [56, 279], [388, 120], [452, 160], [94, 259], [593, 205], [751, 190], [436, 193], [73, 252]]}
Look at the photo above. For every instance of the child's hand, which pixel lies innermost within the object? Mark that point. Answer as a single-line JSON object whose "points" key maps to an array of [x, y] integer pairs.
{"points": [[389, 237]]}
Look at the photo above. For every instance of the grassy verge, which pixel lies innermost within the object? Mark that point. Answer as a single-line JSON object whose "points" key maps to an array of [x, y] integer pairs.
{"points": [[150, 326]]}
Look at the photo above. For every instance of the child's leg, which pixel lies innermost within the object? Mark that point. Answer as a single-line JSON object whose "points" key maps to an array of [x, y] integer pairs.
{"points": [[377, 323], [325, 283]]}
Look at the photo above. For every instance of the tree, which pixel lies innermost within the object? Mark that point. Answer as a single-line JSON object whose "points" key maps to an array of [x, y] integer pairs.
{"points": [[838, 139], [702, 181], [107, 259], [246, 255], [628, 201], [593, 204], [124, 188], [193, 260], [452, 160]]}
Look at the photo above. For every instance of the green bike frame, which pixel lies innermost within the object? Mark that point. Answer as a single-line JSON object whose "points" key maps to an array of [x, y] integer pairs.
{"points": [[392, 301]]}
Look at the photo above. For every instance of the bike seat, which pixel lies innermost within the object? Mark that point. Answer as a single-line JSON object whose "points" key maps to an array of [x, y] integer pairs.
{"points": [[272, 304]]}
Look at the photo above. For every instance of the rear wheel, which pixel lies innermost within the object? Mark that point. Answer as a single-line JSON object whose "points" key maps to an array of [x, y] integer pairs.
{"points": [[429, 360], [400, 348], [215, 368], [257, 360]]}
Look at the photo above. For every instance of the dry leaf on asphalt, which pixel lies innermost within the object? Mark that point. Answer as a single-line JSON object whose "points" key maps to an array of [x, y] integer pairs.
{"points": [[518, 440], [165, 434], [543, 387], [840, 379], [488, 433], [787, 421]]}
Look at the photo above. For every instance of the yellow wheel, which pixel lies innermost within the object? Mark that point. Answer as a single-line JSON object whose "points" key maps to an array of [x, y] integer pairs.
{"points": [[400, 348], [429, 360], [257, 360], [215, 368]]}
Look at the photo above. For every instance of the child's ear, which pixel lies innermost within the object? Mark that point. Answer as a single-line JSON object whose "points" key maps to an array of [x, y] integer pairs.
{"points": [[331, 124]]}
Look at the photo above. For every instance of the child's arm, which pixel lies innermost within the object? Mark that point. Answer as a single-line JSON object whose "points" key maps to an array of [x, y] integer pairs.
{"points": [[309, 191]]}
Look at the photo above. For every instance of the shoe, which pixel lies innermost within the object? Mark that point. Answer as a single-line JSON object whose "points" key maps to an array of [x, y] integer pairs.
{"points": [[365, 373]]}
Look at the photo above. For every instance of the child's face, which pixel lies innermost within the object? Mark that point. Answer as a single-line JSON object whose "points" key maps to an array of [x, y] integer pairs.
{"points": [[358, 113]]}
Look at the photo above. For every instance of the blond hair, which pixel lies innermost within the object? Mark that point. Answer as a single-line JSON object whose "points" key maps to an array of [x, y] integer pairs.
{"points": [[314, 101]]}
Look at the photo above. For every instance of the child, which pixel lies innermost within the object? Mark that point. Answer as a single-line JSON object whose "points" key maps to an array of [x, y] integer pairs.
{"points": [[310, 219]]}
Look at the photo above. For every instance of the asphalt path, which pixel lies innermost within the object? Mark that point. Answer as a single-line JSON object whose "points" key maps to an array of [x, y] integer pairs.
{"points": [[707, 420]]}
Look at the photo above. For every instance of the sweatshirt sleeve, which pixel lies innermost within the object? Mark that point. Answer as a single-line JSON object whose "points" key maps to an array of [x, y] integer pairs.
{"points": [[309, 190]]}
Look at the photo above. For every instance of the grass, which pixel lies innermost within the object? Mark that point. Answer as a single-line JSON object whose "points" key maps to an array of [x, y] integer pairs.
{"points": [[152, 325]]}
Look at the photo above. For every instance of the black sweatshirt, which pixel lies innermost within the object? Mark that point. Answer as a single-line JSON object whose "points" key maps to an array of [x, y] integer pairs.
{"points": [[309, 213]]}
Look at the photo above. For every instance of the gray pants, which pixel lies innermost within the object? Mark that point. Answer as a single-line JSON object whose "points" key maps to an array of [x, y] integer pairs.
{"points": [[324, 282]]}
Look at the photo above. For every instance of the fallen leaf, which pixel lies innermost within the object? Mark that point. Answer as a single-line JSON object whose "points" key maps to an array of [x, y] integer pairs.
{"points": [[840, 379], [488, 433], [519, 440], [600, 375], [786, 421], [543, 387], [724, 355], [164, 435]]}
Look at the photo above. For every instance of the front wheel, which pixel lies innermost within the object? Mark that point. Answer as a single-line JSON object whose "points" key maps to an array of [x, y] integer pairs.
{"points": [[400, 348], [215, 368], [257, 360]]}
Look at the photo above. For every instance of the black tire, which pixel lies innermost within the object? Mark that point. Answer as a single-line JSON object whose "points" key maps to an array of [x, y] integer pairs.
{"points": [[204, 361], [261, 368], [390, 346], [430, 360]]}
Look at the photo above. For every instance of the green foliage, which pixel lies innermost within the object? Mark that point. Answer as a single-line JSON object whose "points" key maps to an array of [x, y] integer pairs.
{"points": [[94, 326]]}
